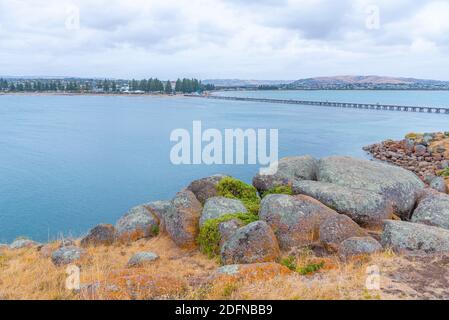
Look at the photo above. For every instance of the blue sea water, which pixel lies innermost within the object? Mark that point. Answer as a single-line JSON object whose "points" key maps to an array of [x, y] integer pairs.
{"points": [[68, 163]]}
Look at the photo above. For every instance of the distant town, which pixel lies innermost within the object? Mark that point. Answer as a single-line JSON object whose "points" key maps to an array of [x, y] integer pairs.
{"points": [[189, 86], [75, 85]]}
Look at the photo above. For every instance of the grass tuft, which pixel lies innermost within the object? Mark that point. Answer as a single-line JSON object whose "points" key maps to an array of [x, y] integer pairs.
{"points": [[307, 269], [310, 268], [155, 230], [279, 190], [289, 262], [445, 173]]}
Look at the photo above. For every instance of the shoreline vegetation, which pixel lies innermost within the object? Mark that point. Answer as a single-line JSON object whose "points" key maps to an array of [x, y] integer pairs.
{"points": [[86, 86], [106, 86], [309, 231], [98, 94]]}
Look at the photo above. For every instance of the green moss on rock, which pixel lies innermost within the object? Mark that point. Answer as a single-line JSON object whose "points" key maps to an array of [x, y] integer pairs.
{"points": [[235, 189], [209, 237], [279, 190]]}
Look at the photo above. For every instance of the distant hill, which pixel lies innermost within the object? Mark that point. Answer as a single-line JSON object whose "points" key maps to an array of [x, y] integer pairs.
{"points": [[367, 82], [336, 82]]}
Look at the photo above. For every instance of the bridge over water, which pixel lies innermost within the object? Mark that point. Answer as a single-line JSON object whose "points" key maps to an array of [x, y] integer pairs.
{"points": [[366, 106]]}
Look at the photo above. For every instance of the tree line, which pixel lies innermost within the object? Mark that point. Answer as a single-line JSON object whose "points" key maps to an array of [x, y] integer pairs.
{"points": [[152, 85]]}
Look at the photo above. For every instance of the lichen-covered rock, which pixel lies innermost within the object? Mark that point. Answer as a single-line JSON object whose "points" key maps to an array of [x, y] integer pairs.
{"points": [[420, 150], [289, 170], [408, 236], [439, 184], [254, 243], [358, 246], [336, 229], [205, 188], [66, 242], [142, 258], [252, 272], [365, 207], [295, 220], [218, 206], [67, 255], [46, 250], [182, 219], [103, 234], [139, 222], [433, 210], [399, 186], [227, 229], [23, 243], [159, 209]]}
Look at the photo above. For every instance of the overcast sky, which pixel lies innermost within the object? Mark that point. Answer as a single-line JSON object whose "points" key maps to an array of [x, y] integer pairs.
{"points": [[251, 39]]}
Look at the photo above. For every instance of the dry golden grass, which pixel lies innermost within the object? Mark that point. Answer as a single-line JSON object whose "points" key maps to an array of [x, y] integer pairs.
{"points": [[25, 274], [178, 274], [337, 280]]}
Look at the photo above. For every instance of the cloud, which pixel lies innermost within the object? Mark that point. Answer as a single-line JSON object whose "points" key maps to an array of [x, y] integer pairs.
{"points": [[286, 39]]}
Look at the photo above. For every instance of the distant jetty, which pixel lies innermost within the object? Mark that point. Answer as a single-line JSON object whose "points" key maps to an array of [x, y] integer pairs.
{"points": [[345, 105]]}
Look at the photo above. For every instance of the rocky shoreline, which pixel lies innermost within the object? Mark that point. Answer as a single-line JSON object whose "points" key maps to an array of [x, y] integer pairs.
{"points": [[335, 206], [426, 154]]}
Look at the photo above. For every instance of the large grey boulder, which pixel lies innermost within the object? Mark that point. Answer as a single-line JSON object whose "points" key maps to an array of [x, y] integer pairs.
{"points": [[253, 243], [227, 229], [220, 206], [289, 170], [439, 184], [365, 207], [433, 210], [67, 255], [142, 258], [159, 209], [295, 220], [408, 236], [139, 222], [336, 229], [182, 219], [103, 234], [205, 188], [401, 187], [23, 243], [359, 246]]}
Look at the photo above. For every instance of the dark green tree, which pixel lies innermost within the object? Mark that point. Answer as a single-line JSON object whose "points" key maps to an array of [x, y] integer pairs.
{"points": [[168, 87]]}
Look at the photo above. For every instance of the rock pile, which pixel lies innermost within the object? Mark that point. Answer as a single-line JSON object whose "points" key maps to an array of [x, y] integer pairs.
{"points": [[426, 154]]}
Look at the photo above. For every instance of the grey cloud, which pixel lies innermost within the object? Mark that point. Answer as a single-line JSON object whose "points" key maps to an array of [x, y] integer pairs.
{"points": [[247, 37]]}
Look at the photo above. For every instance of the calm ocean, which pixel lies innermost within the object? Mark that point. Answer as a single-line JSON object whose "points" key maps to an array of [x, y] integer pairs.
{"points": [[68, 163]]}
